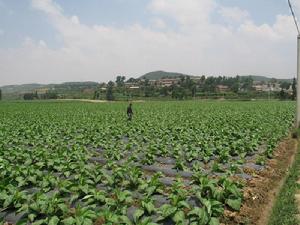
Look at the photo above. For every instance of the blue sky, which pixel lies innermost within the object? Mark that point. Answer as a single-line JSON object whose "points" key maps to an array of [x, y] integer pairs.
{"points": [[30, 21], [18, 19]]}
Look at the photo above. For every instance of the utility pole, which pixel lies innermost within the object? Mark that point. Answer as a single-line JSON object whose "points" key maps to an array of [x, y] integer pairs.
{"points": [[298, 82], [298, 68]]}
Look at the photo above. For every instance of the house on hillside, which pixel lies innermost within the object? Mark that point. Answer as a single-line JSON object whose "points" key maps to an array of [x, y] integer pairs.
{"points": [[267, 87], [153, 82], [88, 91], [262, 88], [258, 82], [276, 87], [167, 82], [130, 84], [134, 87], [222, 88], [41, 91], [197, 79], [290, 90]]}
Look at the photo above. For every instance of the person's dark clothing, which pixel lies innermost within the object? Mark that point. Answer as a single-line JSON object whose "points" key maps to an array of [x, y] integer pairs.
{"points": [[129, 112]]}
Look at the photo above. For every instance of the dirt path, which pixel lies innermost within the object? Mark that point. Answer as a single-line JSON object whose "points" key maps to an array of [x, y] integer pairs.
{"points": [[297, 197], [84, 100], [93, 101], [261, 191]]}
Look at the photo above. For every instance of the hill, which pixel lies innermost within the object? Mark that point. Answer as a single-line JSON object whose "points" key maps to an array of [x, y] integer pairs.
{"points": [[267, 79], [156, 75], [87, 89], [68, 89], [21, 88]]}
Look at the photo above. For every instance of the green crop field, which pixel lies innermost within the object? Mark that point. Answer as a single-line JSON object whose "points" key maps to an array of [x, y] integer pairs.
{"points": [[81, 163]]}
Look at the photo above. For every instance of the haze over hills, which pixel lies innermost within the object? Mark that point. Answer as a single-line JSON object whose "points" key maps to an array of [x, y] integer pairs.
{"points": [[156, 75], [68, 88], [22, 88], [80, 86], [267, 79]]}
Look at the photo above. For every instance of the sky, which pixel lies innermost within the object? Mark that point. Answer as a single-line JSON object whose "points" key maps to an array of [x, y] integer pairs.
{"points": [[54, 41]]}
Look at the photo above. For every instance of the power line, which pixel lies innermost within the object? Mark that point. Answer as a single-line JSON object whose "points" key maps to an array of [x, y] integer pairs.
{"points": [[295, 20]]}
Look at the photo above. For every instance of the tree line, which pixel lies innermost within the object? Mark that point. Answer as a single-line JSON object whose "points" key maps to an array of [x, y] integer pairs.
{"points": [[35, 95], [187, 87]]}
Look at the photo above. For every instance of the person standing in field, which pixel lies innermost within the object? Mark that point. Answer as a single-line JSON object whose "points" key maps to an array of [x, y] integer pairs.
{"points": [[129, 112]]}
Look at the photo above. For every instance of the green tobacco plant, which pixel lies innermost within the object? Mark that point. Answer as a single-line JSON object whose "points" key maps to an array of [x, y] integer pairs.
{"points": [[46, 170], [12, 198], [152, 186], [119, 201], [178, 206], [81, 215]]}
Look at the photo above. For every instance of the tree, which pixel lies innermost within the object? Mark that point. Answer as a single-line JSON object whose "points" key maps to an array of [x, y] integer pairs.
{"points": [[247, 83], [0, 94], [149, 91], [132, 80], [179, 93], [49, 95], [120, 81], [194, 90], [235, 87], [36, 95], [282, 94], [273, 81], [202, 79], [96, 95], [285, 85], [147, 83], [294, 89], [210, 84], [28, 96], [234, 84], [109, 91]]}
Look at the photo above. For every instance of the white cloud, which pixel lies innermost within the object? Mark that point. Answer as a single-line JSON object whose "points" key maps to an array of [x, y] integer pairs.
{"points": [[234, 14], [296, 6], [48, 6], [197, 46], [186, 13], [158, 23], [1, 32], [75, 20]]}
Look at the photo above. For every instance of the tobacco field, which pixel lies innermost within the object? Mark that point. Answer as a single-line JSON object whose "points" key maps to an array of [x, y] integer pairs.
{"points": [[174, 163]]}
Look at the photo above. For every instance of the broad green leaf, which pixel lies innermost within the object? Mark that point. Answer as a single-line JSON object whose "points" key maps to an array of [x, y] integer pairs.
{"points": [[179, 217], [137, 215], [53, 220], [234, 203], [39, 222], [214, 221], [69, 221]]}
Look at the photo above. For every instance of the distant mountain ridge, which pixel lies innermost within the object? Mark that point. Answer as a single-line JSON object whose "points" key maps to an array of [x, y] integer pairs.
{"points": [[23, 88], [78, 86], [156, 75], [266, 79]]}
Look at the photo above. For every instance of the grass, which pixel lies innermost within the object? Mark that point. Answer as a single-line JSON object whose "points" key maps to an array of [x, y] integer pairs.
{"points": [[285, 209]]}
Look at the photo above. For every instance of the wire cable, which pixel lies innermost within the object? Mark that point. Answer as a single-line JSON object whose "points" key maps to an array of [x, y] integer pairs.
{"points": [[293, 14]]}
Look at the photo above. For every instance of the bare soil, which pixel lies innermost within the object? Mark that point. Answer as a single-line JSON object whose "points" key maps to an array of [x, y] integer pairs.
{"points": [[94, 101], [262, 190]]}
